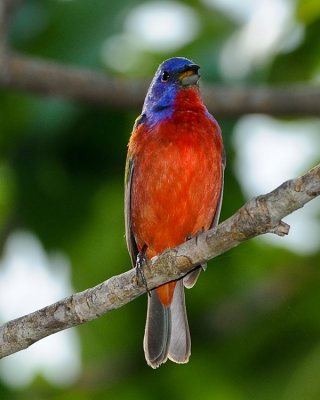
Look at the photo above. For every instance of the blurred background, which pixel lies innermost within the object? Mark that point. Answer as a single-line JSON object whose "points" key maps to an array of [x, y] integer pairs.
{"points": [[255, 314]]}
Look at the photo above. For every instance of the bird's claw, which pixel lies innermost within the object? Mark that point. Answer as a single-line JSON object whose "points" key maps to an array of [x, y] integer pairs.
{"points": [[196, 236], [141, 262]]}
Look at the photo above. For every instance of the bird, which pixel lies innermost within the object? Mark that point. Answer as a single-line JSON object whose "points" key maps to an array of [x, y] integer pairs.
{"points": [[173, 191]]}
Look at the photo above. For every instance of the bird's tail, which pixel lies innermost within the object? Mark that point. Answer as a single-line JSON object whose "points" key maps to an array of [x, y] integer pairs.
{"points": [[167, 330]]}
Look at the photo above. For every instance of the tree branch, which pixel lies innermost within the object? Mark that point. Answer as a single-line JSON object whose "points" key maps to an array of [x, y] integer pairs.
{"points": [[260, 215], [53, 79]]}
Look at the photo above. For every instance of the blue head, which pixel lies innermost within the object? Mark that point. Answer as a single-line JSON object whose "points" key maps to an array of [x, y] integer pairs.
{"points": [[172, 75]]}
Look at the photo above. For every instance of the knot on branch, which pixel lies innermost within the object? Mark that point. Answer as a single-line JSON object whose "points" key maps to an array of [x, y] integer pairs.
{"points": [[257, 217], [281, 230], [168, 260]]}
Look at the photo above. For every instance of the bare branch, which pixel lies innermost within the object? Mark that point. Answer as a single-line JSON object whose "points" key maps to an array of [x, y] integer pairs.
{"points": [[53, 79], [292, 100], [259, 215]]}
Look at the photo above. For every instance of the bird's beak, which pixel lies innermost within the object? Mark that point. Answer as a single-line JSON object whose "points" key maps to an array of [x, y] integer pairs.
{"points": [[190, 76]]}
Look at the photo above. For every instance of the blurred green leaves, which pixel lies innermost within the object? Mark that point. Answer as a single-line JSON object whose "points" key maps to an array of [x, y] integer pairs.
{"points": [[7, 193]]}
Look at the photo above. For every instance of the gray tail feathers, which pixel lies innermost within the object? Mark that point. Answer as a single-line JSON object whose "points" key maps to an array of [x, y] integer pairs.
{"points": [[180, 341], [167, 330]]}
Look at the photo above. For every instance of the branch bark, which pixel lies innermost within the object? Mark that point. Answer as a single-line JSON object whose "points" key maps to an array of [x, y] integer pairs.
{"points": [[260, 215], [53, 79]]}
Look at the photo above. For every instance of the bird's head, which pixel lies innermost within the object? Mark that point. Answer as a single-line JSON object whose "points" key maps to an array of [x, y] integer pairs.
{"points": [[173, 75]]}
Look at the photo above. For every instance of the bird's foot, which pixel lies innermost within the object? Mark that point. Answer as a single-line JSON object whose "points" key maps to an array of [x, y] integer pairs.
{"points": [[141, 262]]}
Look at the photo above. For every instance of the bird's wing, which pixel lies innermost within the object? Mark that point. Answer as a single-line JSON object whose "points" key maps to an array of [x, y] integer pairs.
{"points": [[131, 243], [215, 219], [129, 171]]}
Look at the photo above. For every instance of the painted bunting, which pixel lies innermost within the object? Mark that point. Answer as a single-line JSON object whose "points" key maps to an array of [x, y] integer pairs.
{"points": [[173, 191]]}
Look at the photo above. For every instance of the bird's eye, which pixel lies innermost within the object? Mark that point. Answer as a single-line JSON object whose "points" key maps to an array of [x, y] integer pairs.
{"points": [[165, 76]]}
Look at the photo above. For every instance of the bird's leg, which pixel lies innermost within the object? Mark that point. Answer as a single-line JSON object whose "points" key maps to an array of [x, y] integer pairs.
{"points": [[141, 262]]}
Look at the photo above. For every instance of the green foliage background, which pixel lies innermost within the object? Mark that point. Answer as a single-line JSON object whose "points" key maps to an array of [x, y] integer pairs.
{"points": [[254, 315]]}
